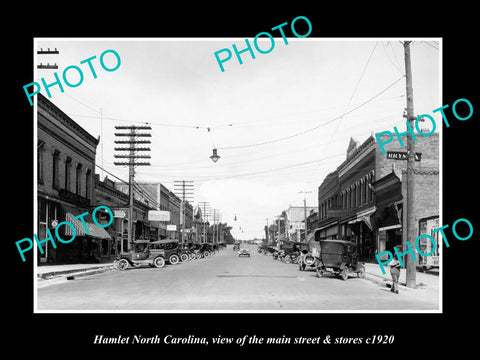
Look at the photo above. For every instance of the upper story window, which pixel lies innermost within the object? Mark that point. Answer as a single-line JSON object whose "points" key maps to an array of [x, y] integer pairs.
{"points": [[40, 160], [55, 166]]}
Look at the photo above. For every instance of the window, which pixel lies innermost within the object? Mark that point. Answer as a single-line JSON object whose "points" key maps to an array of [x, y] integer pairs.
{"points": [[40, 153], [78, 179], [56, 160], [68, 164], [354, 196], [365, 189], [88, 180], [370, 180]]}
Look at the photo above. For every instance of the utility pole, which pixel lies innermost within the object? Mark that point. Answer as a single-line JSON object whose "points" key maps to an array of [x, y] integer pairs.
{"points": [[132, 157], [204, 204], [305, 210], [267, 232], [185, 189], [410, 233]]}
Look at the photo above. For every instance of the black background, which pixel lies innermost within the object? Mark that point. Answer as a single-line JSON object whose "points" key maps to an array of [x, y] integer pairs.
{"points": [[61, 335]]}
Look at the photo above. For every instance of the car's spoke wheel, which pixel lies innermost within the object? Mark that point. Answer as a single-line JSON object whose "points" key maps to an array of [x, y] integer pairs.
{"points": [[122, 264], [173, 259], [159, 262]]}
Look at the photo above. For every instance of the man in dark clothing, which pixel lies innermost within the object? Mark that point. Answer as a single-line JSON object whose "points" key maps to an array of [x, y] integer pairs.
{"points": [[395, 272]]}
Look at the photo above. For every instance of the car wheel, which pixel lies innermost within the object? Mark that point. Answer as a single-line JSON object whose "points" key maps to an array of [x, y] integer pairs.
{"points": [[173, 259], [206, 254], [122, 264], [159, 262], [288, 260], [361, 272], [184, 257], [320, 273], [344, 273]]}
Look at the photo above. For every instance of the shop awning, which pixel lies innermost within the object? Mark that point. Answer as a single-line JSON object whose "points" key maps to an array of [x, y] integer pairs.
{"points": [[365, 217], [94, 230]]}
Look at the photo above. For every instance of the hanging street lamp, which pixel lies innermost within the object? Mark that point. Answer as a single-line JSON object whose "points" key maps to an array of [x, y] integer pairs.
{"points": [[214, 156]]}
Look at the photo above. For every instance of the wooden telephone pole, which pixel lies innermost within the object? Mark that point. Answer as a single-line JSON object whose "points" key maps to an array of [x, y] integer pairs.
{"points": [[410, 233], [132, 157]]}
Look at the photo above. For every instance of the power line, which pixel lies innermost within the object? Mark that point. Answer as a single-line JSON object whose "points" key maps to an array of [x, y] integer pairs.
{"points": [[426, 42], [208, 128], [315, 127]]}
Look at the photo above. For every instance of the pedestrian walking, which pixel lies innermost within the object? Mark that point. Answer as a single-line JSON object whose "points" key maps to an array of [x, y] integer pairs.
{"points": [[395, 272]]}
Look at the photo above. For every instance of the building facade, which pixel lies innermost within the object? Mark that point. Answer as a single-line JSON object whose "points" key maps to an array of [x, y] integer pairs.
{"points": [[363, 199], [65, 187]]}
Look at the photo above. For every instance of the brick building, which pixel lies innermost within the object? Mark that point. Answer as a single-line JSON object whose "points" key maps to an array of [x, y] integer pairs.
{"points": [[362, 200], [65, 186]]}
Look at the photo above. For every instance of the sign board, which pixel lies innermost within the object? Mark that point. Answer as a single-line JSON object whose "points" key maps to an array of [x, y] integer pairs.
{"points": [[171, 227], [299, 226], [119, 214], [158, 215], [402, 155]]}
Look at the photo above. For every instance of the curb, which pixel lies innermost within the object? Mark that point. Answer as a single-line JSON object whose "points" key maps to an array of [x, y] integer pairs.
{"points": [[74, 272]]}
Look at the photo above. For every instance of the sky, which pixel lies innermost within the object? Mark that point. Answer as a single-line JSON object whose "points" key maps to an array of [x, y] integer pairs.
{"points": [[276, 120]]}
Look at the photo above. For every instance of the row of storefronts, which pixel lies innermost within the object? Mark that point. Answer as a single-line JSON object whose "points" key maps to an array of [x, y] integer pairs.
{"points": [[363, 199], [67, 186]]}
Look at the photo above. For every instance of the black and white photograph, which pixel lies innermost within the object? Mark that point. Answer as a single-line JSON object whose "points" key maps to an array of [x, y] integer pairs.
{"points": [[266, 182], [294, 182]]}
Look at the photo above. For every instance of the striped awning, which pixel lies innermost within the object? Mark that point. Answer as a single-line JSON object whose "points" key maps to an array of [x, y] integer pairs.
{"points": [[94, 231]]}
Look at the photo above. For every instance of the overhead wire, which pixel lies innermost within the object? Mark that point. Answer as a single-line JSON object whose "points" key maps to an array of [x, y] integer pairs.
{"points": [[315, 127]]}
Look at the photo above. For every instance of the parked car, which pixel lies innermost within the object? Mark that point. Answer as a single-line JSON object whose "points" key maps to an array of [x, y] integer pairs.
{"points": [[310, 256], [339, 257], [236, 246], [172, 250], [144, 253]]}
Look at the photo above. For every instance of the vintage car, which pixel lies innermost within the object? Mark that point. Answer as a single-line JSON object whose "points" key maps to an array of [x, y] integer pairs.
{"points": [[339, 257], [244, 251], [310, 255], [236, 246], [202, 250], [292, 251], [144, 253], [173, 253]]}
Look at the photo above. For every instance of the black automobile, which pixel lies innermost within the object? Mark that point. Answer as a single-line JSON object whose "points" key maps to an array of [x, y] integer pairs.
{"points": [[309, 256], [339, 257], [144, 253]]}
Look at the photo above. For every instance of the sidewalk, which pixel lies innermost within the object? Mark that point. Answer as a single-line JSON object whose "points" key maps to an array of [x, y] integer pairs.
{"points": [[47, 272], [429, 280]]}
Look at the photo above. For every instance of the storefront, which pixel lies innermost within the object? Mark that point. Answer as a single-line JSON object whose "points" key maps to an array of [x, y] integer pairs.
{"points": [[361, 232], [89, 240]]}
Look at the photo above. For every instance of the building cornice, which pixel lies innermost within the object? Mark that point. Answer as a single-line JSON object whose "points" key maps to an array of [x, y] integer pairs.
{"points": [[59, 115]]}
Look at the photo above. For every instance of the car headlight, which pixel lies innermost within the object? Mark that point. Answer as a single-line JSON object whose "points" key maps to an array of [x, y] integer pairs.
{"points": [[309, 260]]}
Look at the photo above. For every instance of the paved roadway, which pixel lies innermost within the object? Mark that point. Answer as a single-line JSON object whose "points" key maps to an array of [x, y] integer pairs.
{"points": [[225, 282]]}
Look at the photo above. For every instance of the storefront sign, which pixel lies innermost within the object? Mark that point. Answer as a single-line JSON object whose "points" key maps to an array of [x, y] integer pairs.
{"points": [[401, 155], [158, 215], [119, 214], [171, 227], [299, 226]]}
